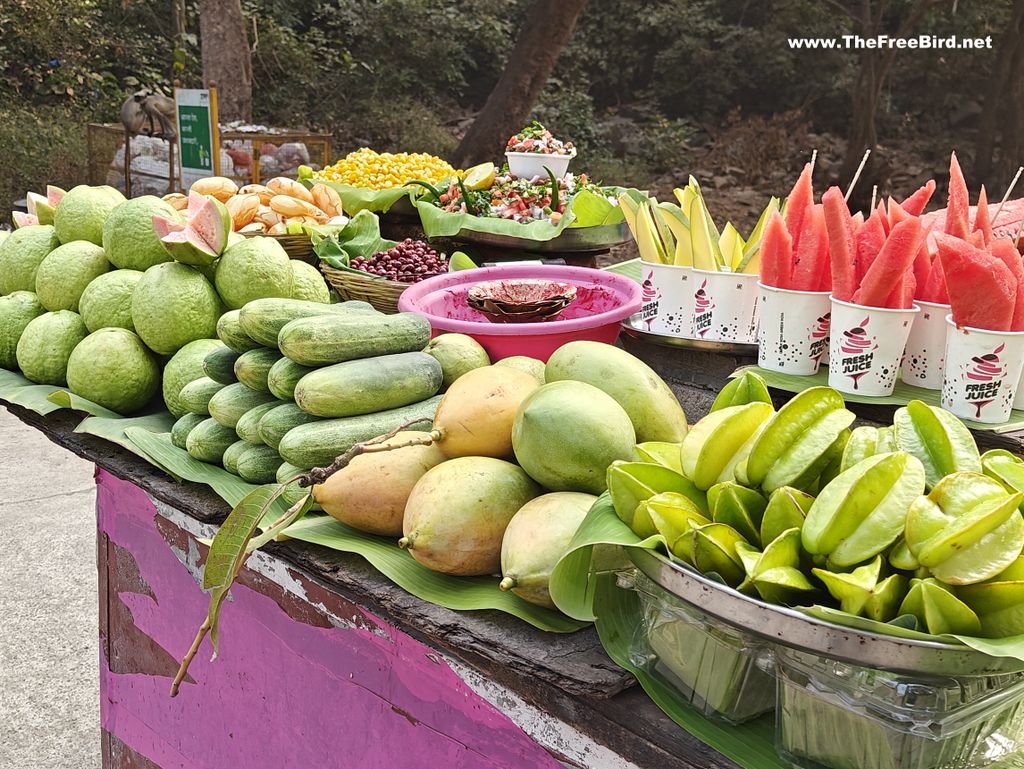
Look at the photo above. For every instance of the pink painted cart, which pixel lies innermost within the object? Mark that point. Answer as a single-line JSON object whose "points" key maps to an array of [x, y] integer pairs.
{"points": [[326, 664]]}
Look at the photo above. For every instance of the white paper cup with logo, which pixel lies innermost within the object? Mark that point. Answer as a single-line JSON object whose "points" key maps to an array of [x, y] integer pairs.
{"points": [[793, 329], [667, 297], [983, 371], [866, 347], [725, 306], [925, 358]]}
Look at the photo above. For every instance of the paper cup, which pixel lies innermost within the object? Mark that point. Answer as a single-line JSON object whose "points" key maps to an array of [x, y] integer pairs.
{"points": [[667, 307], [725, 306], [983, 371], [793, 330], [925, 356], [866, 347]]}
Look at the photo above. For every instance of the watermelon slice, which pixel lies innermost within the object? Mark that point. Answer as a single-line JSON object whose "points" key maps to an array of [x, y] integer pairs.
{"points": [[959, 202], [935, 289], [982, 222], [922, 266], [776, 253], [811, 252], [982, 290], [1004, 250], [896, 213], [915, 204], [798, 206], [840, 243], [902, 295], [870, 239], [894, 260], [883, 217]]}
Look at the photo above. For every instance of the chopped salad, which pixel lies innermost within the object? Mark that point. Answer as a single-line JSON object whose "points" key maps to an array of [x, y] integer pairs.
{"points": [[521, 200], [536, 138]]}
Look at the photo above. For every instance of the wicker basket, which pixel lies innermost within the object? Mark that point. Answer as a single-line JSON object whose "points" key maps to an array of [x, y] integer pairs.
{"points": [[296, 246], [382, 294]]}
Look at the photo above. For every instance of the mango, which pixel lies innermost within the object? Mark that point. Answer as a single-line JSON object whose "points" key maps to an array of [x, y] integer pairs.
{"points": [[566, 434], [457, 513], [371, 493], [475, 416], [536, 539], [652, 407], [531, 366]]}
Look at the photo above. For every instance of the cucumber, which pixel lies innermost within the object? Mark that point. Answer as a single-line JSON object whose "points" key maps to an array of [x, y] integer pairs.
{"points": [[293, 492], [337, 338], [263, 319], [258, 464], [368, 385], [252, 368], [196, 395], [278, 421], [209, 440], [181, 428], [231, 455], [219, 365], [231, 403], [229, 331], [319, 443], [283, 377], [248, 424]]}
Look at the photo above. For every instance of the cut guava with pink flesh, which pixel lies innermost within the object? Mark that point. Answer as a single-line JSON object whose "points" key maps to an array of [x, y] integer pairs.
{"points": [[204, 235], [21, 219]]}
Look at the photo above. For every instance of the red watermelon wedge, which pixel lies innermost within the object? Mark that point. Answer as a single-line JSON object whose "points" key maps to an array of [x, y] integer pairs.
{"points": [[982, 223], [869, 241], [776, 253], [894, 260], [982, 290], [959, 202], [935, 289], [798, 206], [922, 266], [895, 213], [1004, 250], [840, 243], [915, 204], [902, 295], [811, 252]]}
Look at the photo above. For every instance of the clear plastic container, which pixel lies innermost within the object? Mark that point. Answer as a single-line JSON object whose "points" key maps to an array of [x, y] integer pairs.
{"points": [[723, 672], [836, 715]]}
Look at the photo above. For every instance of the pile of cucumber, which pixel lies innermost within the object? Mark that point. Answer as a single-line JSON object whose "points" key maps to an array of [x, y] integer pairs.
{"points": [[298, 383]]}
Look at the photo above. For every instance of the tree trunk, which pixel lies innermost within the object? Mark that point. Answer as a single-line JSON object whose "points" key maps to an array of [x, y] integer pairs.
{"points": [[997, 95], [547, 29], [227, 60]]}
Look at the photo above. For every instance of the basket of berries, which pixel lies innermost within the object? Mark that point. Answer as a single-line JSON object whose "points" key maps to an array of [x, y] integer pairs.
{"points": [[382, 277]]}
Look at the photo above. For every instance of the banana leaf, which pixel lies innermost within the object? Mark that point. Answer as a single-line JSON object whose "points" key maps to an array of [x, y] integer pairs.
{"points": [[360, 237], [631, 269], [901, 396], [586, 209]]}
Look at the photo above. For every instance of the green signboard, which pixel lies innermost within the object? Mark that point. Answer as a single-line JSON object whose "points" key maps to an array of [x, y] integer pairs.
{"points": [[197, 134]]}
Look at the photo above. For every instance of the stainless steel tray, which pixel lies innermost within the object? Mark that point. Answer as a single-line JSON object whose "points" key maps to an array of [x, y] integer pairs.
{"points": [[663, 340], [575, 240], [797, 630]]}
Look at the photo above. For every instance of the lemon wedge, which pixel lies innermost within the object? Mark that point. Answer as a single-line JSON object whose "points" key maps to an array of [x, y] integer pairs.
{"points": [[480, 177]]}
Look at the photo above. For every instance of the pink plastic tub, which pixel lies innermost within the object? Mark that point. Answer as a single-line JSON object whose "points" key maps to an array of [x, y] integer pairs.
{"points": [[603, 301]]}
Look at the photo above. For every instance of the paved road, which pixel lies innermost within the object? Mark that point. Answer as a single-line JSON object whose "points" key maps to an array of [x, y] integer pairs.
{"points": [[49, 687]]}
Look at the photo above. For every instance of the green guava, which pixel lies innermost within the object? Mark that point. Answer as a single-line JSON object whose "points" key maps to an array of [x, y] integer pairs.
{"points": [[21, 254], [16, 311], [66, 272], [308, 283], [46, 344], [107, 301], [112, 367], [128, 235], [172, 305], [82, 211], [253, 269]]}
